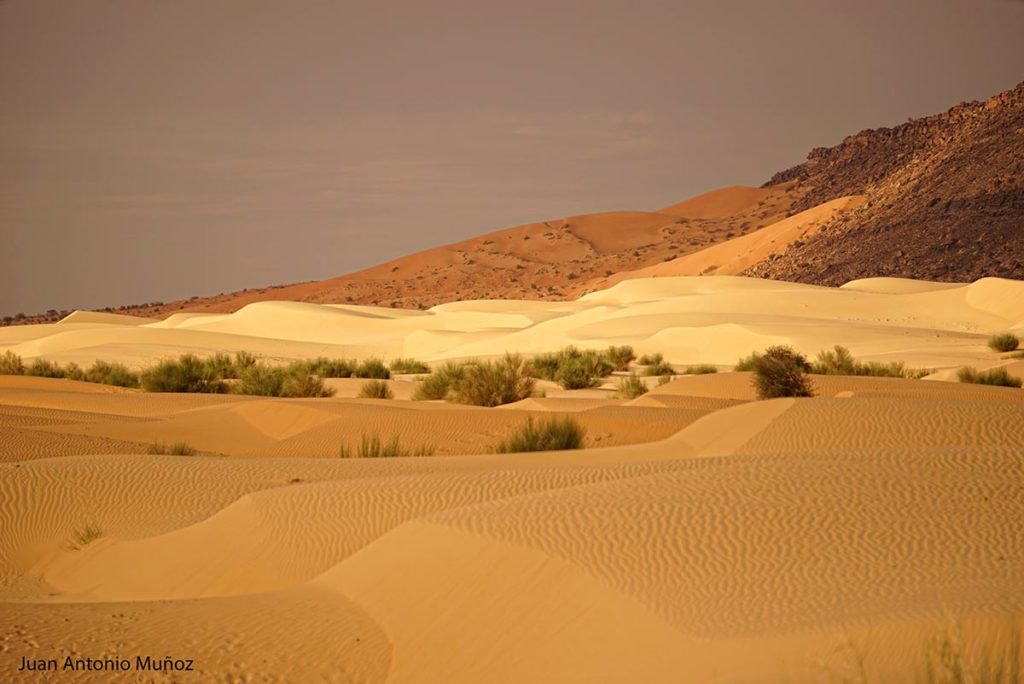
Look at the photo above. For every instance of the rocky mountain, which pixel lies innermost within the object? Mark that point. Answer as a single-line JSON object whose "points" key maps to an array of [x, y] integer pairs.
{"points": [[944, 199]]}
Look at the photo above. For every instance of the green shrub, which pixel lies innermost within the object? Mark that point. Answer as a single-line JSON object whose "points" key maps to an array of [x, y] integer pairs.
{"points": [[747, 363], [298, 383], [186, 374], [328, 368], [552, 434], [839, 361], [440, 383], [175, 449], [243, 360], [373, 447], [650, 359], [702, 369], [220, 365], [1005, 342], [11, 364], [73, 371], [42, 368], [665, 379], [631, 387], [111, 374], [372, 368], [545, 366], [582, 371], [494, 383], [998, 377], [409, 366], [620, 357], [660, 368], [782, 372], [261, 380], [376, 389]]}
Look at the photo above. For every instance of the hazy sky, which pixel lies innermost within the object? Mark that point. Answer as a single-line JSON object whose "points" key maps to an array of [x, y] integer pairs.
{"points": [[164, 148]]}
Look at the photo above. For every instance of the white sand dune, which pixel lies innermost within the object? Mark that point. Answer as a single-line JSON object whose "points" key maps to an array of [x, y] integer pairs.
{"points": [[689, 319]]}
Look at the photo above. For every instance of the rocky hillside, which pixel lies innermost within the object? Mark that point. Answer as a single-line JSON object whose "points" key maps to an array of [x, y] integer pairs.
{"points": [[945, 199]]}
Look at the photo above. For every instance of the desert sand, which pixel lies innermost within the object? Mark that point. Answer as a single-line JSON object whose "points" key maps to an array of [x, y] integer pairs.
{"points": [[701, 535]]}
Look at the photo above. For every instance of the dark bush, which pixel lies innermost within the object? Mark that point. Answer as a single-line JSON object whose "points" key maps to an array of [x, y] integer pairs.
{"points": [[494, 383], [1005, 342], [186, 374], [782, 372], [409, 366], [998, 377], [552, 434], [376, 389], [372, 368]]}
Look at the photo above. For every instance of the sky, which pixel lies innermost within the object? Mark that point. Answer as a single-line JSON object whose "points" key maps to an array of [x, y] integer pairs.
{"points": [[158, 150]]}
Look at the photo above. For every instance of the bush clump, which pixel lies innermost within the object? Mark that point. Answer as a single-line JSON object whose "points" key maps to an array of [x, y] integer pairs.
{"points": [[582, 371], [298, 383], [115, 374], [839, 361], [372, 368], [1005, 342], [620, 357], [782, 372], [575, 369], [702, 369], [552, 434], [175, 449], [494, 383], [376, 389], [374, 447], [439, 384], [655, 364], [327, 368], [998, 377], [11, 364], [184, 374], [747, 363], [41, 368], [631, 387], [409, 367]]}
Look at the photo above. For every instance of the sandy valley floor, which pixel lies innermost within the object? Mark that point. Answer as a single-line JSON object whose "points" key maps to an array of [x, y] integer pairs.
{"points": [[701, 536]]}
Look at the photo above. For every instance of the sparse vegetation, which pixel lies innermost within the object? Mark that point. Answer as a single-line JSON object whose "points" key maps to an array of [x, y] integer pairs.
{"points": [[702, 369], [376, 389], [747, 363], [11, 364], [84, 536], [372, 368], [631, 387], [665, 379], [327, 368], [551, 434], [998, 377], [839, 361], [440, 382], [111, 374], [782, 372], [175, 449], [184, 374], [1004, 342], [41, 368], [582, 370], [620, 357], [298, 383], [650, 359], [494, 383], [409, 366], [374, 447]]}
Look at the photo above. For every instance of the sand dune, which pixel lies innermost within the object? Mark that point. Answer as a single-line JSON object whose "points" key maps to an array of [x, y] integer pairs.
{"points": [[702, 535]]}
